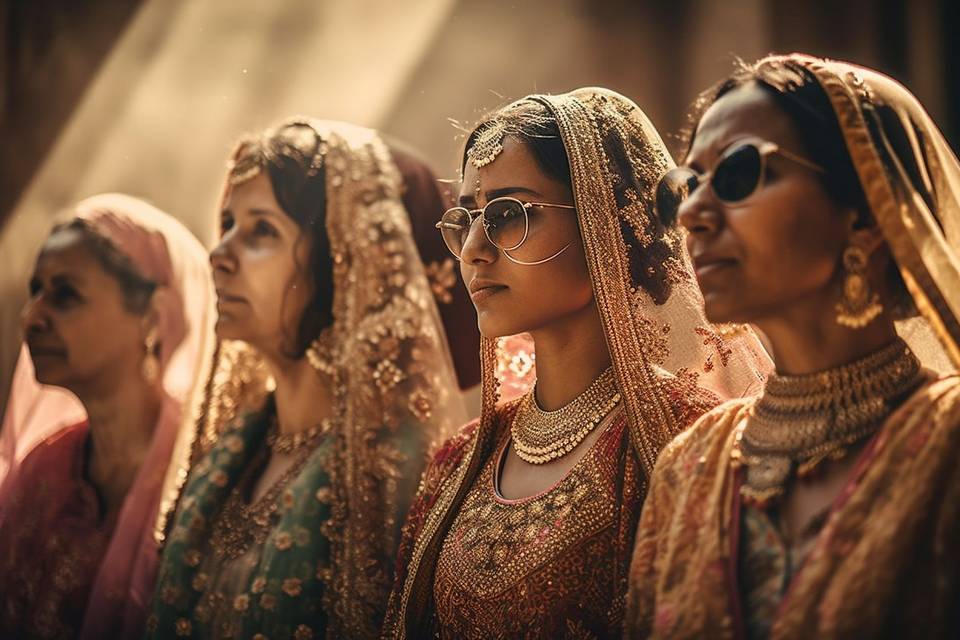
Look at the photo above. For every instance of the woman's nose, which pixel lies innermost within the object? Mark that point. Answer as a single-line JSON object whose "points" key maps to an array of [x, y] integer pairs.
{"points": [[222, 257], [477, 248], [699, 213], [34, 316]]}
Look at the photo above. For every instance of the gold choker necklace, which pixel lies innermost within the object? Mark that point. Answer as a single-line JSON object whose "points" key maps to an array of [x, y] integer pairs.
{"points": [[541, 436], [287, 443], [800, 421]]}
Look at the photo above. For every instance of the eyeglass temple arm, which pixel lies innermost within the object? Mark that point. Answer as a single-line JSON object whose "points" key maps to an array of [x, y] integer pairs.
{"points": [[809, 164], [527, 205]]}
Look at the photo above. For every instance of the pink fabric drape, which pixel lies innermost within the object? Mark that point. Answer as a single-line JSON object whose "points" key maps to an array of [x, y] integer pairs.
{"points": [[165, 252]]}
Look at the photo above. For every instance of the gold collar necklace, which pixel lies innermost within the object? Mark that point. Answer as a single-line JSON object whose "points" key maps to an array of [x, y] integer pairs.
{"points": [[286, 443], [541, 436], [800, 421]]}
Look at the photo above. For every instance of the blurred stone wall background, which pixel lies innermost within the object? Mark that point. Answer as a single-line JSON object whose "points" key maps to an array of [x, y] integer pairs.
{"points": [[147, 96]]}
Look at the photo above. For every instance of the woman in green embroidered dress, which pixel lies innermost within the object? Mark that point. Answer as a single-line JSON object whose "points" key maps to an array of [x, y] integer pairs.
{"points": [[331, 379]]}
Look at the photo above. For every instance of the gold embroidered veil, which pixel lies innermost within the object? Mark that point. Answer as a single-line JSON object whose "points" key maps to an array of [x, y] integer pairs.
{"points": [[394, 384], [911, 179], [662, 347]]}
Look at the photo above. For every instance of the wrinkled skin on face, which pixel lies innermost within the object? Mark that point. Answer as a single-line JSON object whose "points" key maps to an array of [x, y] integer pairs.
{"points": [[80, 334]]}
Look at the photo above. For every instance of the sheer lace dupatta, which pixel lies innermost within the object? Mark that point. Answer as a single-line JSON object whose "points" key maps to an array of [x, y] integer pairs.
{"points": [[165, 252]]}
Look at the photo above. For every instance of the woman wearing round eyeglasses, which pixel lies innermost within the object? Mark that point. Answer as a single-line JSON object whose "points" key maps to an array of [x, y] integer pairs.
{"points": [[821, 205], [524, 522]]}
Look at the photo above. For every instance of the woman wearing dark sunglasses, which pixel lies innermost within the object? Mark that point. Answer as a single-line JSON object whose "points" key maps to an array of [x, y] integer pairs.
{"points": [[524, 523], [821, 204]]}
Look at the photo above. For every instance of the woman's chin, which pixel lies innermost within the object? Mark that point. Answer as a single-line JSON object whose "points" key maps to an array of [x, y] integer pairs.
{"points": [[227, 328], [492, 327], [721, 309]]}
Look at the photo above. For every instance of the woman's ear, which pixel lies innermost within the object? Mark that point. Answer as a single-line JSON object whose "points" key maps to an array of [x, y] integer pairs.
{"points": [[153, 319], [866, 237]]}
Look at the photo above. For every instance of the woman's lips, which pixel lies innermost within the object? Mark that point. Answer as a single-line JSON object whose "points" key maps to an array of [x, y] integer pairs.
{"points": [[482, 294], [706, 268], [37, 351], [226, 298], [481, 289]]}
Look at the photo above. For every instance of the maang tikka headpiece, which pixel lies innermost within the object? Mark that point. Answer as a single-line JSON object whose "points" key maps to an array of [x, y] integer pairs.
{"points": [[488, 145], [486, 148]]}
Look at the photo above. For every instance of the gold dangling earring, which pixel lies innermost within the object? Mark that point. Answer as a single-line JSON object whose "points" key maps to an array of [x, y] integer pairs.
{"points": [[151, 364], [858, 307], [320, 354]]}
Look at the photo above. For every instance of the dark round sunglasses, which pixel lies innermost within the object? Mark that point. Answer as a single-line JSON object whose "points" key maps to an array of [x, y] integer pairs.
{"points": [[737, 176]]}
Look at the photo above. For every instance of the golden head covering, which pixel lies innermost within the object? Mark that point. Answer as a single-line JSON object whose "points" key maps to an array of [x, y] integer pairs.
{"points": [[911, 178]]}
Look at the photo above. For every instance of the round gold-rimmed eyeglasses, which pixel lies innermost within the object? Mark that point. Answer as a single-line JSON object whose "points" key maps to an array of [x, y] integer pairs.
{"points": [[506, 223]]}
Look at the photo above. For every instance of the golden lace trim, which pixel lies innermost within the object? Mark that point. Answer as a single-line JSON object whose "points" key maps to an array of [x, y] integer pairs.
{"points": [[240, 526]]}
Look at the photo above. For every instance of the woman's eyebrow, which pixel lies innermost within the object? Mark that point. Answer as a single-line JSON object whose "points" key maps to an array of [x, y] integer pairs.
{"points": [[506, 191], [61, 279]]}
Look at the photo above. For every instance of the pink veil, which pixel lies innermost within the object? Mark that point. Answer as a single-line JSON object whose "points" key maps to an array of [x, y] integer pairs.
{"points": [[167, 253]]}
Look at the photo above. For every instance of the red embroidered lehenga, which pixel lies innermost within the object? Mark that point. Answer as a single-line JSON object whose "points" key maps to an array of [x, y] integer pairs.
{"points": [[473, 564]]}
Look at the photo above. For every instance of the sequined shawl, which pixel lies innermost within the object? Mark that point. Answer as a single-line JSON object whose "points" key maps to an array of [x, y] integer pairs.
{"points": [[664, 352], [395, 393], [885, 563]]}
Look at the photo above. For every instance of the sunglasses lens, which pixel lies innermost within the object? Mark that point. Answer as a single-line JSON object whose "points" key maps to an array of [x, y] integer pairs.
{"points": [[454, 227], [506, 222], [738, 174], [674, 187]]}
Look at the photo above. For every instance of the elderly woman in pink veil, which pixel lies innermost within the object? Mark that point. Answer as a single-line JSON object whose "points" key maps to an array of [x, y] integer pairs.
{"points": [[117, 332]]}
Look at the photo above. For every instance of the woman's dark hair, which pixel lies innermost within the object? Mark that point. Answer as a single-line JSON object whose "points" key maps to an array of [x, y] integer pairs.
{"points": [[534, 125], [290, 155], [137, 290], [799, 94]]}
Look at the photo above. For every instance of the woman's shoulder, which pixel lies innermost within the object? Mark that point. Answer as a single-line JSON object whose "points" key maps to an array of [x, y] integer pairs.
{"points": [[933, 409], [57, 449], [448, 456], [51, 468], [711, 432], [451, 452]]}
